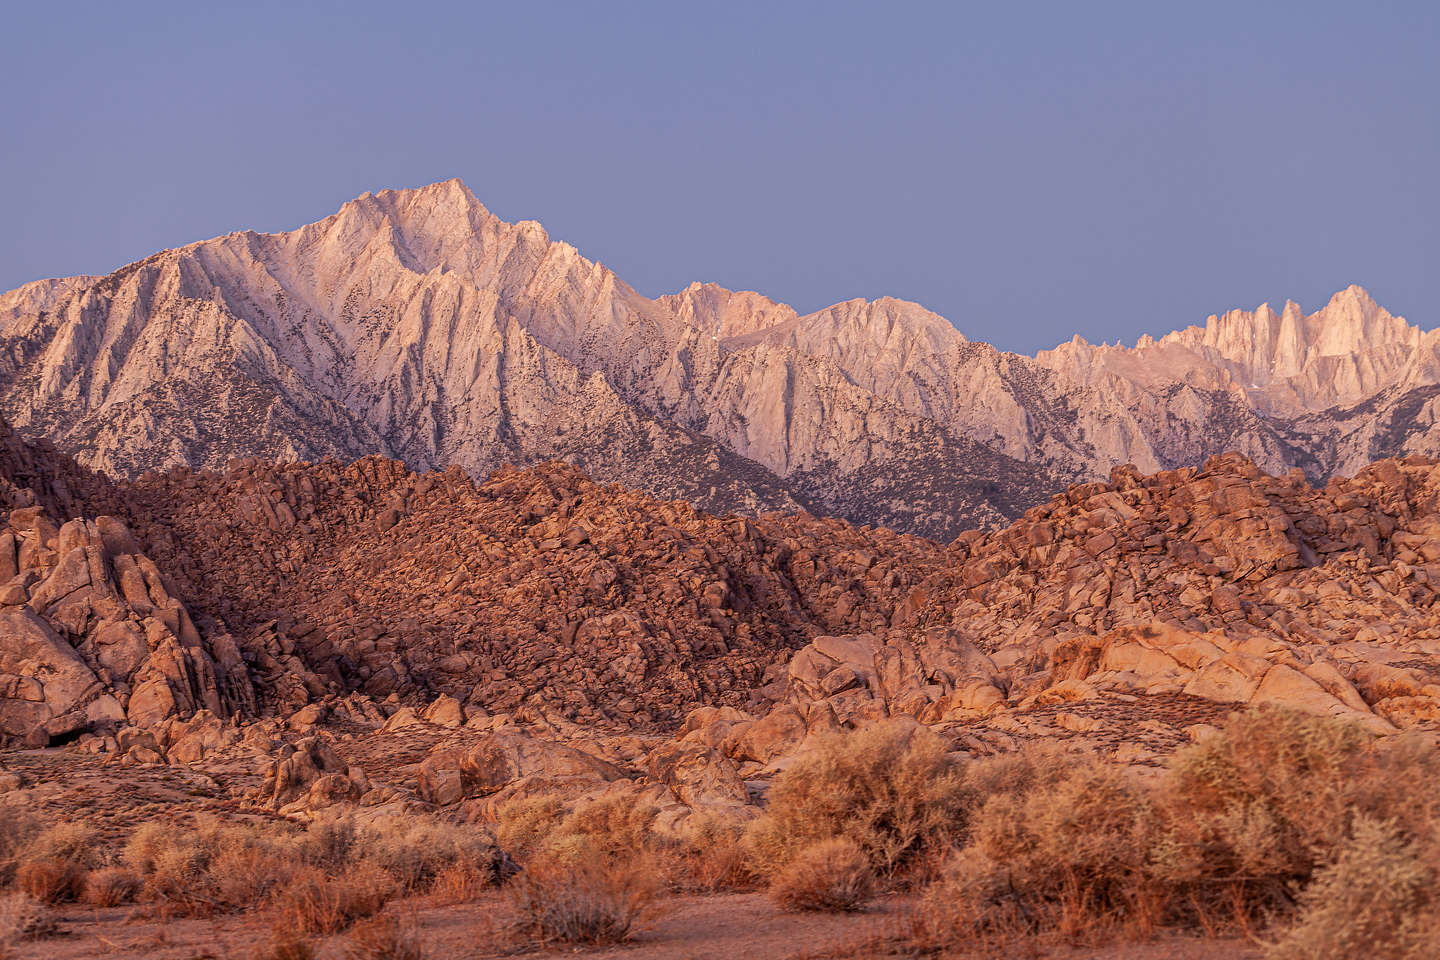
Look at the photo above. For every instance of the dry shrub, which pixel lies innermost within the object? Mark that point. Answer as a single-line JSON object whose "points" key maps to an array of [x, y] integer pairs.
{"points": [[75, 843], [524, 823], [1240, 824], [891, 789], [1072, 855], [314, 903], [383, 938], [329, 841], [592, 900], [50, 880], [1254, 811], [461, 883], [415, 851], [52, 866], [832, 875], [615, 827], [1377, 900], [709, 857], [212, 866], [17, 828], [110, 887]]}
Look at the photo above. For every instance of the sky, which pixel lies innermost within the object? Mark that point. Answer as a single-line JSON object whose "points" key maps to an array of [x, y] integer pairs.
{"points": [[1029, 170]]}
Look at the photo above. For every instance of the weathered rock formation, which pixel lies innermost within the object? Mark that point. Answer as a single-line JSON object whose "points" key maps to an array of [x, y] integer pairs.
{"points": [[91, 638]]}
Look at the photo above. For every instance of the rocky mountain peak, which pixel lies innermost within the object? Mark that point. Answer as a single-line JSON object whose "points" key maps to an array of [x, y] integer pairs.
{"points": [[418, 325]]}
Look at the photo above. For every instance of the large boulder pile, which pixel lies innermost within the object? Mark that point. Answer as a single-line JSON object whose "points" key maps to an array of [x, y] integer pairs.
{"points": [[537, 588]]}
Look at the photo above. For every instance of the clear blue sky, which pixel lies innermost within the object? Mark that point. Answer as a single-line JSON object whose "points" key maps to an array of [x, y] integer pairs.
{"points": [[1029, 170]]}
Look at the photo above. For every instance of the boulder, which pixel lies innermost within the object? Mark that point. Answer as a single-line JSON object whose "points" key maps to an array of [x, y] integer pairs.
{"points": [[505, 758]]}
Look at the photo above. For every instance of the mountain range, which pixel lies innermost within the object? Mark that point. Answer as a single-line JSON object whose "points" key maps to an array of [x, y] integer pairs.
{"points": [[417, 325]]}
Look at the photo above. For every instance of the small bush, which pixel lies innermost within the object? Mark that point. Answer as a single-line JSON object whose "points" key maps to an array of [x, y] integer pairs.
{"points": [[329, 842], [1377, 900], [832, 875], [612, 826], [211, 866], [1254, 811], [709, 857], [1072, 853], [52, 866], [17, 829], [415, 851], [461, 883], [313, 903], [50, 880], [524, 823], [594, 900], [383, 938], [111, 887], [891, 789]]}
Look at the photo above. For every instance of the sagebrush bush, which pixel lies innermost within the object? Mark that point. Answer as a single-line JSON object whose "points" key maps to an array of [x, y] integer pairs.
{"points": [[211, 866], [17, 828], [52, 865], [591, 900], [612, 826], [314, 902], [329, 841], [524, 823], [1075, 847], [709, 856], [891, 789], [832, 875], [415, 851], [1376, 900], [110, 887], [51, 881], [1253, 812], [1276, 803]]}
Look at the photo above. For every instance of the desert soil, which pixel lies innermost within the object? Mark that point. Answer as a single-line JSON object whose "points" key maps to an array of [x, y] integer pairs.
{"points": [[721, 927]]}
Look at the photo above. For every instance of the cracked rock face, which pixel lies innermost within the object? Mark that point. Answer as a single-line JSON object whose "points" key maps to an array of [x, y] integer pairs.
{"points": [[91, 639]]}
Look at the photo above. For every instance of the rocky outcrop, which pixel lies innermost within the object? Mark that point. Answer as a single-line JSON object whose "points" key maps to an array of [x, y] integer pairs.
{"points": [[92, 639], [537, 588]]}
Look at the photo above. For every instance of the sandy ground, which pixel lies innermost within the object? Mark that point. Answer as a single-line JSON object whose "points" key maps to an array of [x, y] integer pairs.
{"points": [[723, 927]]}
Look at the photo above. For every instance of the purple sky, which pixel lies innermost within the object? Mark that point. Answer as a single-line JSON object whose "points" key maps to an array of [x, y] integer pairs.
{"points": [[1028, 170]]}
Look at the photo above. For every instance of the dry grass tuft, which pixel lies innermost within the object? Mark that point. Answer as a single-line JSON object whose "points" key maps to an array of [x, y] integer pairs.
{"points": [[383, 938], [832, 875], [524, 823], [416, 851], [593, 900], [17, 828], [51, 880], [110, 887], [891, 789], [314, 903]]}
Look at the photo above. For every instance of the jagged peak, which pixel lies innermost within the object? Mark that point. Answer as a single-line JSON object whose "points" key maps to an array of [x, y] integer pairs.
{"points": [[1353, 294]]}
